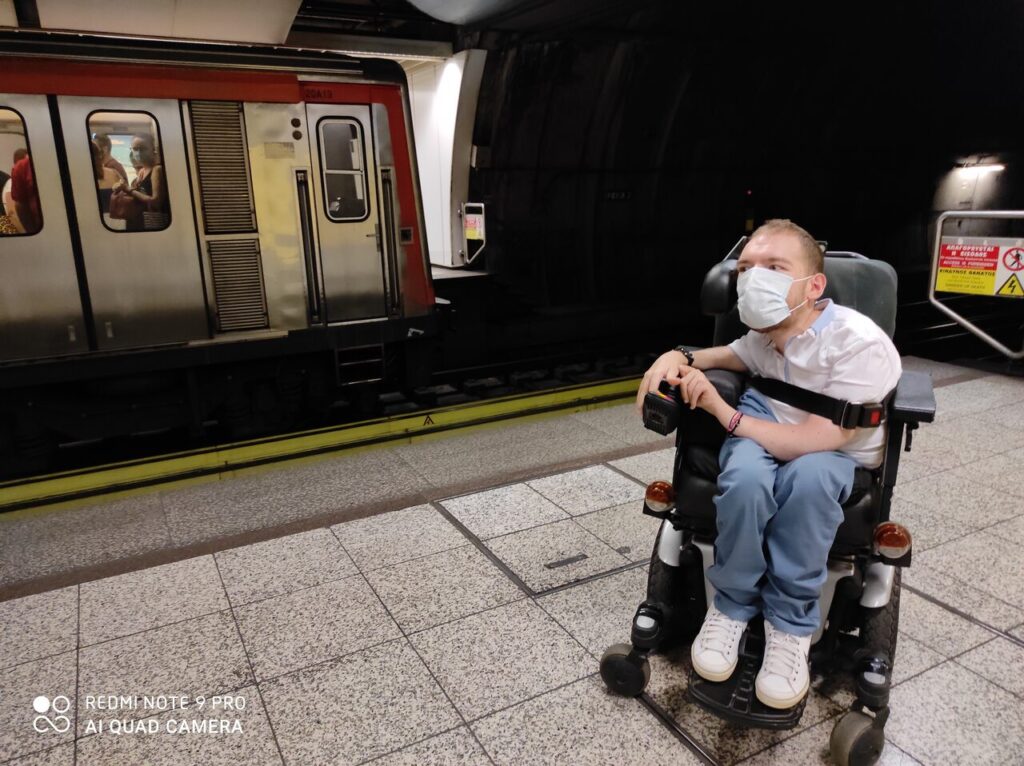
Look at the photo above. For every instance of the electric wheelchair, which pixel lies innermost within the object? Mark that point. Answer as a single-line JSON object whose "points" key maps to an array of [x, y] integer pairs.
{"points": [[861, 596]]}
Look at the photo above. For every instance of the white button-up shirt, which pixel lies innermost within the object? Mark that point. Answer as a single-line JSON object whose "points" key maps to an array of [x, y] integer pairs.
{"points": [[845, 355]]}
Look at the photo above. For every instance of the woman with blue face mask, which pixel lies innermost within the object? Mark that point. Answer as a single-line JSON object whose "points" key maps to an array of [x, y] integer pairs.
{"points": [[149, 189]]}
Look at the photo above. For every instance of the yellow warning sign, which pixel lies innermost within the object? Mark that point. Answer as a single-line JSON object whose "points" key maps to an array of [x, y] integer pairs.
{"points": [[1012, 288]]}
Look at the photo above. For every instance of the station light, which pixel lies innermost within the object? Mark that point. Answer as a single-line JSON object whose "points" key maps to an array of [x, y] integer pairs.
{"points": [[981, 169]]}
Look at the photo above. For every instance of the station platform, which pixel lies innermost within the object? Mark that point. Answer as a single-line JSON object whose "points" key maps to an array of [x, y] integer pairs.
{"points": [[447, 601]]}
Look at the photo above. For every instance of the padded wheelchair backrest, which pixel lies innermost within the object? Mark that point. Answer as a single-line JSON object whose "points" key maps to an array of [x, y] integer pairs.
{"points": [[853, 280]]}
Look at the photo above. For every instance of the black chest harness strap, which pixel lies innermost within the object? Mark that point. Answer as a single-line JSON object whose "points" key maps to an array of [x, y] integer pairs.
{"points": [[839, 411]]}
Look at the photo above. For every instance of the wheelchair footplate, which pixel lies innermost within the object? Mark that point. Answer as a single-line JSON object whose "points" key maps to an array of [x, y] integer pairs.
{"points": [[735, 699]]}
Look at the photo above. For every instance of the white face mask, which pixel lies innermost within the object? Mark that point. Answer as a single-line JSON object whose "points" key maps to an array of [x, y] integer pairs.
{"points": [[762, 297]]}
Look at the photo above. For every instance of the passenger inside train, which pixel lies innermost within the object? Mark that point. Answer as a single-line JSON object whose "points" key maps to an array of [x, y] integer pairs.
{"points": [[135, 199], [21, 212]]}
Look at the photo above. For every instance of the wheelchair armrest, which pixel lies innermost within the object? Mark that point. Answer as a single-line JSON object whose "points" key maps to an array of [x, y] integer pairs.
{"points": [[698, 427], [914, 401]]}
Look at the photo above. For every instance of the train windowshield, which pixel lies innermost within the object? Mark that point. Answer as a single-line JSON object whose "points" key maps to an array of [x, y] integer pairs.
{"points": [[21, 214], [343, 169], [131, 186]]}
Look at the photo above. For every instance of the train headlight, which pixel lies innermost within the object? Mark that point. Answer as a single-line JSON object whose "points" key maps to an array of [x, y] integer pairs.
{"points": [[892, 540]]}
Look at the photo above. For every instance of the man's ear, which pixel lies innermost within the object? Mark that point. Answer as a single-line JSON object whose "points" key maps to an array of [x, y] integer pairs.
{"points": [[817, 286]]}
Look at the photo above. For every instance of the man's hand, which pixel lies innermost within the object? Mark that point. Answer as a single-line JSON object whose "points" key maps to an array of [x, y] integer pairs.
{"points": [[697, 391], [671, 363]]}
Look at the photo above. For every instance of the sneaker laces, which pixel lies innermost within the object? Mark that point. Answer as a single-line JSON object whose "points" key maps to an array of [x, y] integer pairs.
{"points": [[719, 632], [783, 655]]}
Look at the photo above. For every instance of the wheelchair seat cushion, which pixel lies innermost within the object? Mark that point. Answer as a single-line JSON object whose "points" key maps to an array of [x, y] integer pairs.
{"points": [[696, 476]]}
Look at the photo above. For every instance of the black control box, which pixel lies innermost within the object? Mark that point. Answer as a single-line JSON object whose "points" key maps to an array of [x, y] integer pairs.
{"points": [[661, 410]]}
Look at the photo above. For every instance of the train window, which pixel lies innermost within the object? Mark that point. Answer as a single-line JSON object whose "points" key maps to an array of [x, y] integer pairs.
{"points": [[341, 158], [21, 214], [130, 182]]}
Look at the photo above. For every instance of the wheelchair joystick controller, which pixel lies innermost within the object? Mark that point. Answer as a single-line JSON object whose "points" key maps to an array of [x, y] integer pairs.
{"points": [[661, 409]]}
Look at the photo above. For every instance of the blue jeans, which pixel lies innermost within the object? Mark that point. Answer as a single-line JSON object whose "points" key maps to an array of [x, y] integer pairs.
{"points": [[776, 524]]}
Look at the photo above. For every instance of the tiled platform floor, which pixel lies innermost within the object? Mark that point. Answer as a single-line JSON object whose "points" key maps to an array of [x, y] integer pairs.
{"points": [[466, 630]]}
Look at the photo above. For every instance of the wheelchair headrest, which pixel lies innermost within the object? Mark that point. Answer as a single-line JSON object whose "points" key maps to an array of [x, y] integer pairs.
{"points": [[863, 284]]}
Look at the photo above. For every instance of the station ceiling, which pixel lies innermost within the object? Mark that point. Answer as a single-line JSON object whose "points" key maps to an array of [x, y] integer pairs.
{"points": [[280, 21]]}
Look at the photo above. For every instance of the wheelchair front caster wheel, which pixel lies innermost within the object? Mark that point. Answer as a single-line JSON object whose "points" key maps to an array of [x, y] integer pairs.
{"points": [[856, 740], [624, 670]]}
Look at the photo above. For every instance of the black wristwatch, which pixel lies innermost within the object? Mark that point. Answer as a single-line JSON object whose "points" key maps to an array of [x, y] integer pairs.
{"points": [[685, 352]]}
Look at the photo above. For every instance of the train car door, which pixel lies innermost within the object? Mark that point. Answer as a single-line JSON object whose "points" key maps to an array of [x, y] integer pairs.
{"points": [[141, 257], [40, 304], [347, 211]]}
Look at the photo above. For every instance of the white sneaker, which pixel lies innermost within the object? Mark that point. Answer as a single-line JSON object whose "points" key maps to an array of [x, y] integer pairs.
{"points": [[784, 678], [716, 649]]}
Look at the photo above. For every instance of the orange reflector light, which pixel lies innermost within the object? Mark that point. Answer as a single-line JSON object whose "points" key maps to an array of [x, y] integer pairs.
{"points": [[892, 540], [660, 496]]}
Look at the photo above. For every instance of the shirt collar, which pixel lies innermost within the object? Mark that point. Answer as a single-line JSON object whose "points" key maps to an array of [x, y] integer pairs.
{"points": [[827, 315]]}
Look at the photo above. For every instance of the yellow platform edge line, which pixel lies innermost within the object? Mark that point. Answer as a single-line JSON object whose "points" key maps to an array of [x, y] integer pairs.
{"points": [[230, 457]]}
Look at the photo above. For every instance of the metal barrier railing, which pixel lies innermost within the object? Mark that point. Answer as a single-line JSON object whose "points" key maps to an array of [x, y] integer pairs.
{"points": [[998, 269]]}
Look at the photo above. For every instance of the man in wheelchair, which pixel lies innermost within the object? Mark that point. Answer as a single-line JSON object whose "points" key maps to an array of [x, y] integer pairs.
{"points": [[785, 473], [788, 437]]}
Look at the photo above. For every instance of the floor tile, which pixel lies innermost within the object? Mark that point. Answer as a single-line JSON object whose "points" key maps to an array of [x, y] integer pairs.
{"points": [[599, 613], [357, 707], [622, 422], [581, 723], [64, 540], [812, 747], [245, 739], [928, 527], [1011, 530], [988, 562], [199, 656], [938, 628], [288, 632], [728, 743], [457, 747], [624, 528], [495, 659], [390, 538], [957, 593], [997, 474], [129, 603], [937, 370], [62, 755], [20, 686], [1000, 661], [518, 449], [441, 587], [555, 554], [912, 658], [588, 489], [651, 466], [949, 715], [973, 505], [283, 565], [248, 502], [503, 510], [38, 626]]}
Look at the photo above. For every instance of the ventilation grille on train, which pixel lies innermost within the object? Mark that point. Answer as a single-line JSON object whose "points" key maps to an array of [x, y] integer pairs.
{"points": [[223, 167], [238, 284]]}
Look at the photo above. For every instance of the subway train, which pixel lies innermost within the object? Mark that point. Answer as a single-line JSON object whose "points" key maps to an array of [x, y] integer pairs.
{"points": [[198, 234]]}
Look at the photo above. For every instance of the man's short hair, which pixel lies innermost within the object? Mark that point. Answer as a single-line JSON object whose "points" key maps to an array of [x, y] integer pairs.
{"points": [[812, 250], [20, 154]]}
